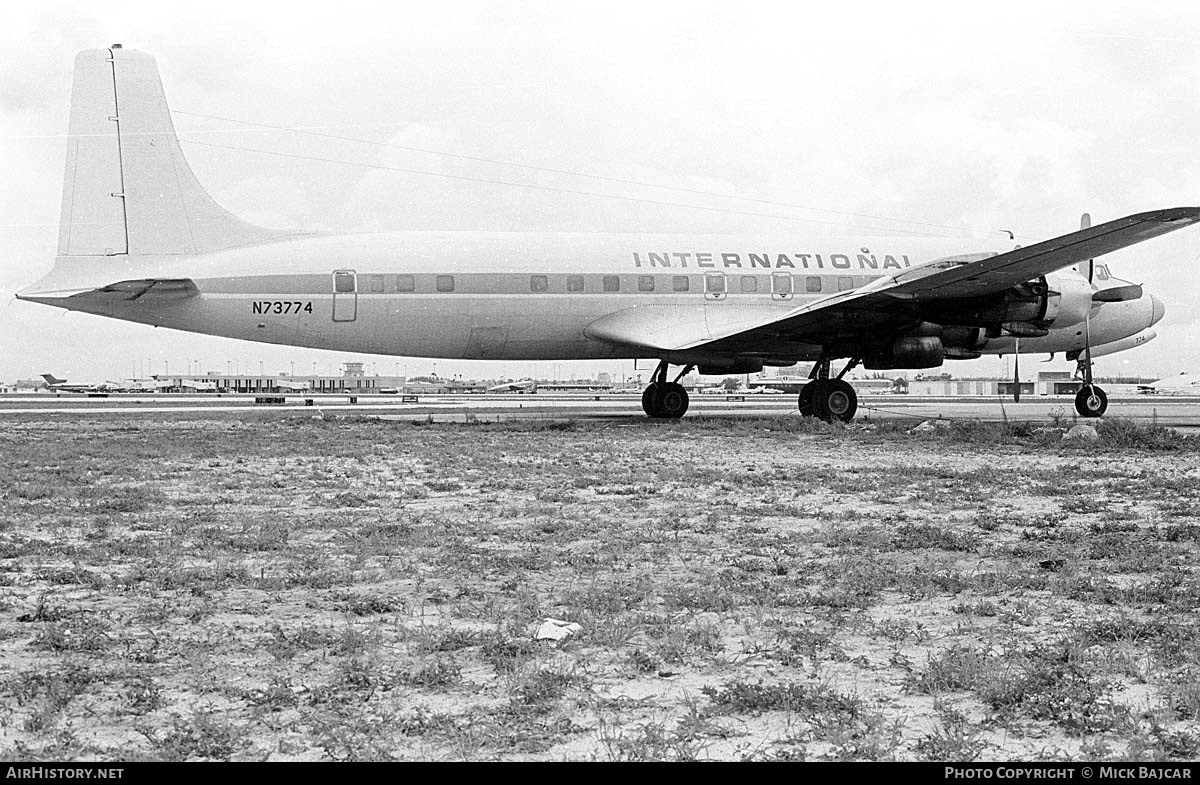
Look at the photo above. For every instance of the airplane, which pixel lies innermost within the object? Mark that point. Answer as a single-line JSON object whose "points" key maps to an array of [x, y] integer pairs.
{"points": [[198, 386], [55, 384], [525, 385], [151, 385], [141, 240], [1183, 384]]}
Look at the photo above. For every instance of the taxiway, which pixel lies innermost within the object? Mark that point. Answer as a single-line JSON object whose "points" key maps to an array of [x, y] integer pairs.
{"points": [[1175, 412]]}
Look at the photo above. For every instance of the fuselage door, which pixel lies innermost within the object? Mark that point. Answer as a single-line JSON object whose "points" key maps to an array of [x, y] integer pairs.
{"points": [[781, 286], [345, 296], [714, 286]]}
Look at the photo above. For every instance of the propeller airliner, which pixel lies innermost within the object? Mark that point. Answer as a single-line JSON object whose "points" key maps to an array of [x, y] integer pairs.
{"points": [[141, 240]]}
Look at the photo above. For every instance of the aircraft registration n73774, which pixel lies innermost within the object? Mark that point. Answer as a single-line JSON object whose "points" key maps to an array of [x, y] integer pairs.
{"points": [[141, 240]]}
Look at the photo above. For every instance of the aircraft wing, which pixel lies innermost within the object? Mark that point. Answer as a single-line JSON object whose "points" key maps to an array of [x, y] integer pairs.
{"points": [[968, 277], [883, 304]]}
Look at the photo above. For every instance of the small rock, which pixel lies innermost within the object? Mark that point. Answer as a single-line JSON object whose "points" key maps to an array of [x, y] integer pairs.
{"points": [[1081, 432]]}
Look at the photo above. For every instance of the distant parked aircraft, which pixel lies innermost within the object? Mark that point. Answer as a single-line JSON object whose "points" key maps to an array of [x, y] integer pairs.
{"points": [[61, 385], [519, 386], [1183, 384], [198, 386]]}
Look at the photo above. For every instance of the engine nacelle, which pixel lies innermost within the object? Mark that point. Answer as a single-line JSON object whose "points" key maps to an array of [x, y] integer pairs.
{"points": [[928, 345], [908, 352], [1069, 299], [1057, 300]]}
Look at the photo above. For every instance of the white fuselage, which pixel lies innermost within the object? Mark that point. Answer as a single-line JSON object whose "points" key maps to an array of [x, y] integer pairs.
{"points": [[510, 296]]}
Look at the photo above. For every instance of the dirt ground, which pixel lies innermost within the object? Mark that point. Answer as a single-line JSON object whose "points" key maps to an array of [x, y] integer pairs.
{"points": [[314, 589]]}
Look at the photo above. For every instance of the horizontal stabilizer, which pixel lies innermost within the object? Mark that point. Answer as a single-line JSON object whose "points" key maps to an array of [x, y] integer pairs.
{"points": [[145, 290]]}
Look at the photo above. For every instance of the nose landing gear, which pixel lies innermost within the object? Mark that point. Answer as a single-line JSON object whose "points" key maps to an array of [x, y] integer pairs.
{"points": [[1091, 401]]}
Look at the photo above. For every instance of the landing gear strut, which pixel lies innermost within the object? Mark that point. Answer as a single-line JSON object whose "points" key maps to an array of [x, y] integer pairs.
{"points": [[828, 399], [663, 399]]}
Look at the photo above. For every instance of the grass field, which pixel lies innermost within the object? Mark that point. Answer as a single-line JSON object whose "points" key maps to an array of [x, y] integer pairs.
{"points": [[747, 589]]}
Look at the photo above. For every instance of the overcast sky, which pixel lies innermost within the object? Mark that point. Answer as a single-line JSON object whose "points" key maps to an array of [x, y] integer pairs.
{"points": [[780, 118]]}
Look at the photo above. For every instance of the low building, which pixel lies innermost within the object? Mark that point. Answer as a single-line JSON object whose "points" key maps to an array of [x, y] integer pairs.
{"points": [[352, 382]]}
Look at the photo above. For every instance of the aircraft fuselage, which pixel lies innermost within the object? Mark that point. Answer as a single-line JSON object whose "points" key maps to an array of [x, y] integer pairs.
{"points": [[508, 296]]}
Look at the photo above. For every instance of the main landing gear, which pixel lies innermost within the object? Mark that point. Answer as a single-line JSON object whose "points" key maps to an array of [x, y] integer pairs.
{"points": [[828, 399], [663, 399]]}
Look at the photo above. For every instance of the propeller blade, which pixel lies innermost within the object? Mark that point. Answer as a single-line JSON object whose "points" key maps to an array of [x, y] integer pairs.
{"points": [[1016, 370], [1087, 350], [1085, 222]]}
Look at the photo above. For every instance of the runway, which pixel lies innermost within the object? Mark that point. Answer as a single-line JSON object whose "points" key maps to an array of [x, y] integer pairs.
{"points": [[1175, 412]]}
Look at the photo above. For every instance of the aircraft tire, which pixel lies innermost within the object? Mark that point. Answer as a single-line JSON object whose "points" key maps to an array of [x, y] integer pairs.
{"points": [[835, 399], [1091, 401], [805, 400], [671, 401], [648, 400]]}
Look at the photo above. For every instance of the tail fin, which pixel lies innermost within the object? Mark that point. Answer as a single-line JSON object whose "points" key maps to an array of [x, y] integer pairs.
{"points": [[128, 189], [51, 380]]}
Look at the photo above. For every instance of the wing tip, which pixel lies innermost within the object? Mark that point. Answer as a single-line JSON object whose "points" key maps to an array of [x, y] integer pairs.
{"points": [[1174, 215]]}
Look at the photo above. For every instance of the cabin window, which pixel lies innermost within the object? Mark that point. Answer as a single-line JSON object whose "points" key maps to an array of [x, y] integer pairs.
{"points": [[645, 283], [714, 284], [538, 283], [445, 283], [782, 283], [574, 283], [612, 283], [343, 282], [679, 283], [405, 283], [1100, 273], [749, 284], [377, 283], [845, 283], [812, 283]]}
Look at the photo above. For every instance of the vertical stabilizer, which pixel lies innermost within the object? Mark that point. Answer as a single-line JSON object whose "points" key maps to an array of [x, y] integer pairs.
{"points": [[128, 189]]}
